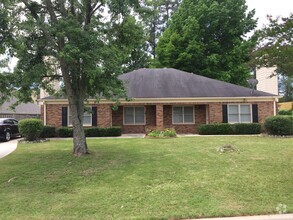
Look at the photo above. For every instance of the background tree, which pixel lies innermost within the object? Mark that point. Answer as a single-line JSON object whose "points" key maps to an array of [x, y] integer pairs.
{"points": [[73, 35], [275, 46], [207, 37], [157, 20]]}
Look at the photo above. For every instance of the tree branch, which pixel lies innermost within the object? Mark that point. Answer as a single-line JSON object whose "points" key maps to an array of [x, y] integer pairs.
{"points": [[51, 11], [95, 8]]}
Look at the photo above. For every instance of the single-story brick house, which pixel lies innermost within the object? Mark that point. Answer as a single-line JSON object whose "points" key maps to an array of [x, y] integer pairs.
{"points": [[169, 98]]}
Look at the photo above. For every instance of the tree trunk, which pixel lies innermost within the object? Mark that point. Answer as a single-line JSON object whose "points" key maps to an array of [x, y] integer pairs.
{"points": [[79, 139], [76, 95]]}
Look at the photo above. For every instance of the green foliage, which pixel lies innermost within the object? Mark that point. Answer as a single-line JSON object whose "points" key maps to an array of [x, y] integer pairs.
{"points": [[275, 45], [103, 132], [225, 128], [157, 20], [285, 112], [279, 125], [64, 132], [91, 132], [206, 37], [162, 133], [48, 132], [30, 128], [88, 46], [214, 129], [246, 128]]}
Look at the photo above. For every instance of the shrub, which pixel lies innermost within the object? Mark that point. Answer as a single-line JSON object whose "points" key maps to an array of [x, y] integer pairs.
{"points": [[279, 125], [48, 131], [215, 129], [286, 112], [246, 128], [224, 128], [103, 132], [30, 128], [164, 133], [91, 132], [65, 132]]}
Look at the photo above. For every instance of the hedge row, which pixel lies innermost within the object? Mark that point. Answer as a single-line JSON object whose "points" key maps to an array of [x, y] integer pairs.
{"points": [[224, 128], [50, 131]]}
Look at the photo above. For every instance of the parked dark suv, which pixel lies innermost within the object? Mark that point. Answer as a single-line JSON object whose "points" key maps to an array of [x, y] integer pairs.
{"points": [[8, 128]]}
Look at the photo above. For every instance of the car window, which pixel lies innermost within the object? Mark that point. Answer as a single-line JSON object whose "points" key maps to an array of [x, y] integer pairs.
{"points": [[8, 121], [14, 121]]}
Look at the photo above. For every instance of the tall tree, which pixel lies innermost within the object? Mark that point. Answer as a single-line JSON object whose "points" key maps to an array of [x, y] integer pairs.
{"points": [[207, 37], [157, 20], [74, 34], [275, 46]]}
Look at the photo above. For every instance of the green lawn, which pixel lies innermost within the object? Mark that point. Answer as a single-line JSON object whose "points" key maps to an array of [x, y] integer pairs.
{"points": [[147, 179]]}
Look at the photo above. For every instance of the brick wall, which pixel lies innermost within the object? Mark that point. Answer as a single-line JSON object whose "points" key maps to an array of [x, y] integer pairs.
{"points": [[199, 118], [150, 117], [108, 117], [54, 114], [265, 109], [104, 114]]}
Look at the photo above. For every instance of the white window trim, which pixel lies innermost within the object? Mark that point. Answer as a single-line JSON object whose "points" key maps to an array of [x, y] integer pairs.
{"points": [[70, 124], [134, 115], [183, 123], [239, 113]]}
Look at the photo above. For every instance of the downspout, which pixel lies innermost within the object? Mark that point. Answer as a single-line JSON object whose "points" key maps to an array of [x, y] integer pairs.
{"points": [[45, 114], [275, 106]]}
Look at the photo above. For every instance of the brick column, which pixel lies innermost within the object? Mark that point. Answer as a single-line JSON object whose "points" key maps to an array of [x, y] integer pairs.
{"points": [[104, 115], [215, 113], [159, 117]]}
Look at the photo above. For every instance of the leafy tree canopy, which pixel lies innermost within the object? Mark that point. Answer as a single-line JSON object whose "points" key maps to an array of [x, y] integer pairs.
{"points": [[207, 37], [275, 46], [88, 41]]}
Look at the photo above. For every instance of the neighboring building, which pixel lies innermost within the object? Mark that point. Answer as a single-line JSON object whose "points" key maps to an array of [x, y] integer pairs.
{"points": [[168, 98], [267, 80], [28, 110]]}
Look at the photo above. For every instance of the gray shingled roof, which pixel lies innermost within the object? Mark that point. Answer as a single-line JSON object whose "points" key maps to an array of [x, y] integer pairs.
{"points": [[172, 83], [23, 108]]}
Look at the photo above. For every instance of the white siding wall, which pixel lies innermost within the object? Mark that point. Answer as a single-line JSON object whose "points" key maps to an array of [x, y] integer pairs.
{"points": [[266, 83]]}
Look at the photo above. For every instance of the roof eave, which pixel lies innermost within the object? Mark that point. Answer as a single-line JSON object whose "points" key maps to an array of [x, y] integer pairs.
{"points": [[172, 100]]}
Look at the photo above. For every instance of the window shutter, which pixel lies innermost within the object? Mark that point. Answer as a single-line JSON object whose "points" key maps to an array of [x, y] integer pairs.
{"points": [[64, 116], [255, 113], [225, 113], [94, 116]]}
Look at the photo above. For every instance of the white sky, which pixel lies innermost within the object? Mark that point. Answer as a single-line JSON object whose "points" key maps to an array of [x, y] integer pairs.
{"points": [[269, 7]]}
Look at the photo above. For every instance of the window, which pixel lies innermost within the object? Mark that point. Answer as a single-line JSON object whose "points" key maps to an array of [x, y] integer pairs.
{"points": [[183, 115], [239, 113], [87, 117], [134, 116]]}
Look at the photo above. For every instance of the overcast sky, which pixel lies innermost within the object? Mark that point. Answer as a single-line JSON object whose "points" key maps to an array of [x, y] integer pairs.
{"points": [[272, 7]]}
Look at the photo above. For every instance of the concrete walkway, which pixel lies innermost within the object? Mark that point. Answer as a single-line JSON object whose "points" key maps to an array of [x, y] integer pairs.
{"points": [[258, 217], [7, 147]]}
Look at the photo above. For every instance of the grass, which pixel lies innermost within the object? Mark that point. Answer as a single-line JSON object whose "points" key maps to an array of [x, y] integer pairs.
{"points": [[147, 179]]}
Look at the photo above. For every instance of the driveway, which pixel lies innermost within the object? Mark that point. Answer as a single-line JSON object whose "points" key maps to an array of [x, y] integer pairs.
{"points": [[7, 147]]}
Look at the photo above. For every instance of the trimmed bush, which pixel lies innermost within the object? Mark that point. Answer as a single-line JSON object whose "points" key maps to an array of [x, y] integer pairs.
{"points": [[30, 128], [279, 125], [165, 133], [224, 128], [246, 128], [64, 132], [91, 132], [286, 112], [48, 132], [215, 129], [103, 132]]}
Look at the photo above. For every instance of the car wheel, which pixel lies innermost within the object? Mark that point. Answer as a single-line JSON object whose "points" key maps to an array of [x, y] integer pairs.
{"points": [[7, 136]]}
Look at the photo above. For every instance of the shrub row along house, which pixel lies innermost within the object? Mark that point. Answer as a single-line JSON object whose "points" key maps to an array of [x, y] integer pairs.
{"points": [[168, 98]]}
